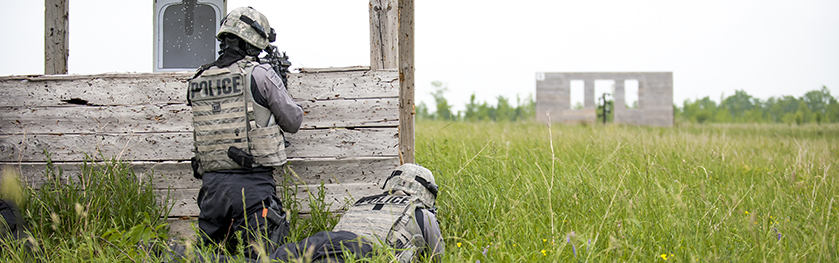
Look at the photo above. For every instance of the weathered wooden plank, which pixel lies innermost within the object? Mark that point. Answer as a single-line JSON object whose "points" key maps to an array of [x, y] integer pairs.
{"points": [[338, 196], [347, 85], [185, 228], [56, 36], [95, 119], [73, 77], [350, 113], [407, 109], [72, 147], [384, 46], [333, 69], [178, 117], [170, 88], [347, 170], [339, 143], [343, 143], [178, 175], [103, 89]]}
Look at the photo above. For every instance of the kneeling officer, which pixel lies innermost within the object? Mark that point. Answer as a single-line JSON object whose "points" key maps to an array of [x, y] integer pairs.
{"points": [[241, 109]]}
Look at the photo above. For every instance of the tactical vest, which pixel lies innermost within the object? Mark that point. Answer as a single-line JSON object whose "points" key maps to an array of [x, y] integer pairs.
{"points": [[224, 114], [389, 219]]}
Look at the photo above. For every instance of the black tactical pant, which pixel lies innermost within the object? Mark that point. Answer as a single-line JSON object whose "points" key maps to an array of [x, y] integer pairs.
{"points": [[241, 206]]}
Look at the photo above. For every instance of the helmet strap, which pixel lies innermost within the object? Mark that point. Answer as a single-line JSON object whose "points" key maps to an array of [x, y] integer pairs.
{"points": [[428, 185]]}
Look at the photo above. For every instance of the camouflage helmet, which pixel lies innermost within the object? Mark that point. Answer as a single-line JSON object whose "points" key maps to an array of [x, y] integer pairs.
{"points": [[414, 180], [249, 25]]}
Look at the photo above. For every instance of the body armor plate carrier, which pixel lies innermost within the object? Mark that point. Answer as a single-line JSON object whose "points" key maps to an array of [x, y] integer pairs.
{"points": [[389, 219], [225, 119]]}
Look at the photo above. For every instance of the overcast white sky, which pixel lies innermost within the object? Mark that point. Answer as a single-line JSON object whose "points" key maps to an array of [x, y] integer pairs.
{"points": [[491, 48]]}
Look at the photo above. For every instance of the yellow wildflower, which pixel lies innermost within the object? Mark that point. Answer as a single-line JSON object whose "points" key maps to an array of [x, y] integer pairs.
{"points": [[544, 240], [544, 253], [459, 244], [664, 256]]}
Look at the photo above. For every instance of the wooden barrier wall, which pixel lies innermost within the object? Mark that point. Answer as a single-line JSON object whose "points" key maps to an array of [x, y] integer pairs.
{"points": [[349, 139]]}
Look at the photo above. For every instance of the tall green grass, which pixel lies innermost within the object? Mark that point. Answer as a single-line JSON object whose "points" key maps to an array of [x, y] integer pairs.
{"points": [[99, 216], [522, 192], [513, 192]]}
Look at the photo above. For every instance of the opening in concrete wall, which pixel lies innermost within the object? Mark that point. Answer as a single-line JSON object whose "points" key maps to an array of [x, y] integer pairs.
{"points": [[578, 93], [630, 89], [603, 86]]}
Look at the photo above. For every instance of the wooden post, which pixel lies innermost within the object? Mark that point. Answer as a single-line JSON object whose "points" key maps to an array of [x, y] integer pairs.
{"points": [[56, 40], [407, 111], [383, 34], [392, 46]]}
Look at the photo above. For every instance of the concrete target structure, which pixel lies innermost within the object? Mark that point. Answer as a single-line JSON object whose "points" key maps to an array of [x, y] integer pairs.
{"points": [[655, 97]]}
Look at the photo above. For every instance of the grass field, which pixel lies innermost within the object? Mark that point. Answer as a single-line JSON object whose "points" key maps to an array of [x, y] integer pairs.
{"points": [[520, 192], [525, 192]]}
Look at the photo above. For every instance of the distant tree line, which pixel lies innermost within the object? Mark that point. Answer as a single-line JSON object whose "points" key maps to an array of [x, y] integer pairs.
{"points": [[503, 110], [816, 106]]}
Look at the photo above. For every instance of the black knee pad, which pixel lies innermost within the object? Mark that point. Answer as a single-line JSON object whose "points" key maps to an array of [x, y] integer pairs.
{"points": [[278, 226], [269, 225]]}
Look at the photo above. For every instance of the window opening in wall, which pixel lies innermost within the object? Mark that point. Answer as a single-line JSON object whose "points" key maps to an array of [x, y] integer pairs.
{"points": [[603, 86], [578, 94], [630, 89], [603, 99], [185, 33]]}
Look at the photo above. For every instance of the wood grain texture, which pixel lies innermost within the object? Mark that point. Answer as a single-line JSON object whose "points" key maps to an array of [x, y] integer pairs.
{"points": [[384, 43], [350, 113], [348, 141], [407, 109], [56, 36], [103, 89], [339, 143], [77, 119], [178, 175], [170, 88], [346, 85]]}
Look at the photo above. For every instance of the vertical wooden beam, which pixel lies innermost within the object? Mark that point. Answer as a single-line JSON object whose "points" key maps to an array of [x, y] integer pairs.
{"points": [[56, 40], [383, 34], [392, 46], [407, 111]]}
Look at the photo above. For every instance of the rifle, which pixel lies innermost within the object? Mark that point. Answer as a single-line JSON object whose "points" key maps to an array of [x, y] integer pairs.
{"points": [[279, 62]]}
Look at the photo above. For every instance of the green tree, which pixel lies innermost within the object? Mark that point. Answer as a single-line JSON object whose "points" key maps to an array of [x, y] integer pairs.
{"points": [[699, 111], [832, 111], [610, 111], [723, 116], [444, 110], [471, 113], [486, 112], [526, 109], [803, 114], [422, 111], [503, 110], [780, 107], [737, 105], [702, 116], [817, 100]]}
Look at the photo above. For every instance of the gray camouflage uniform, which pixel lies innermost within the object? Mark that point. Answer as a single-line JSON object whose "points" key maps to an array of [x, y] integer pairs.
{"points": [[221, 194]]}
